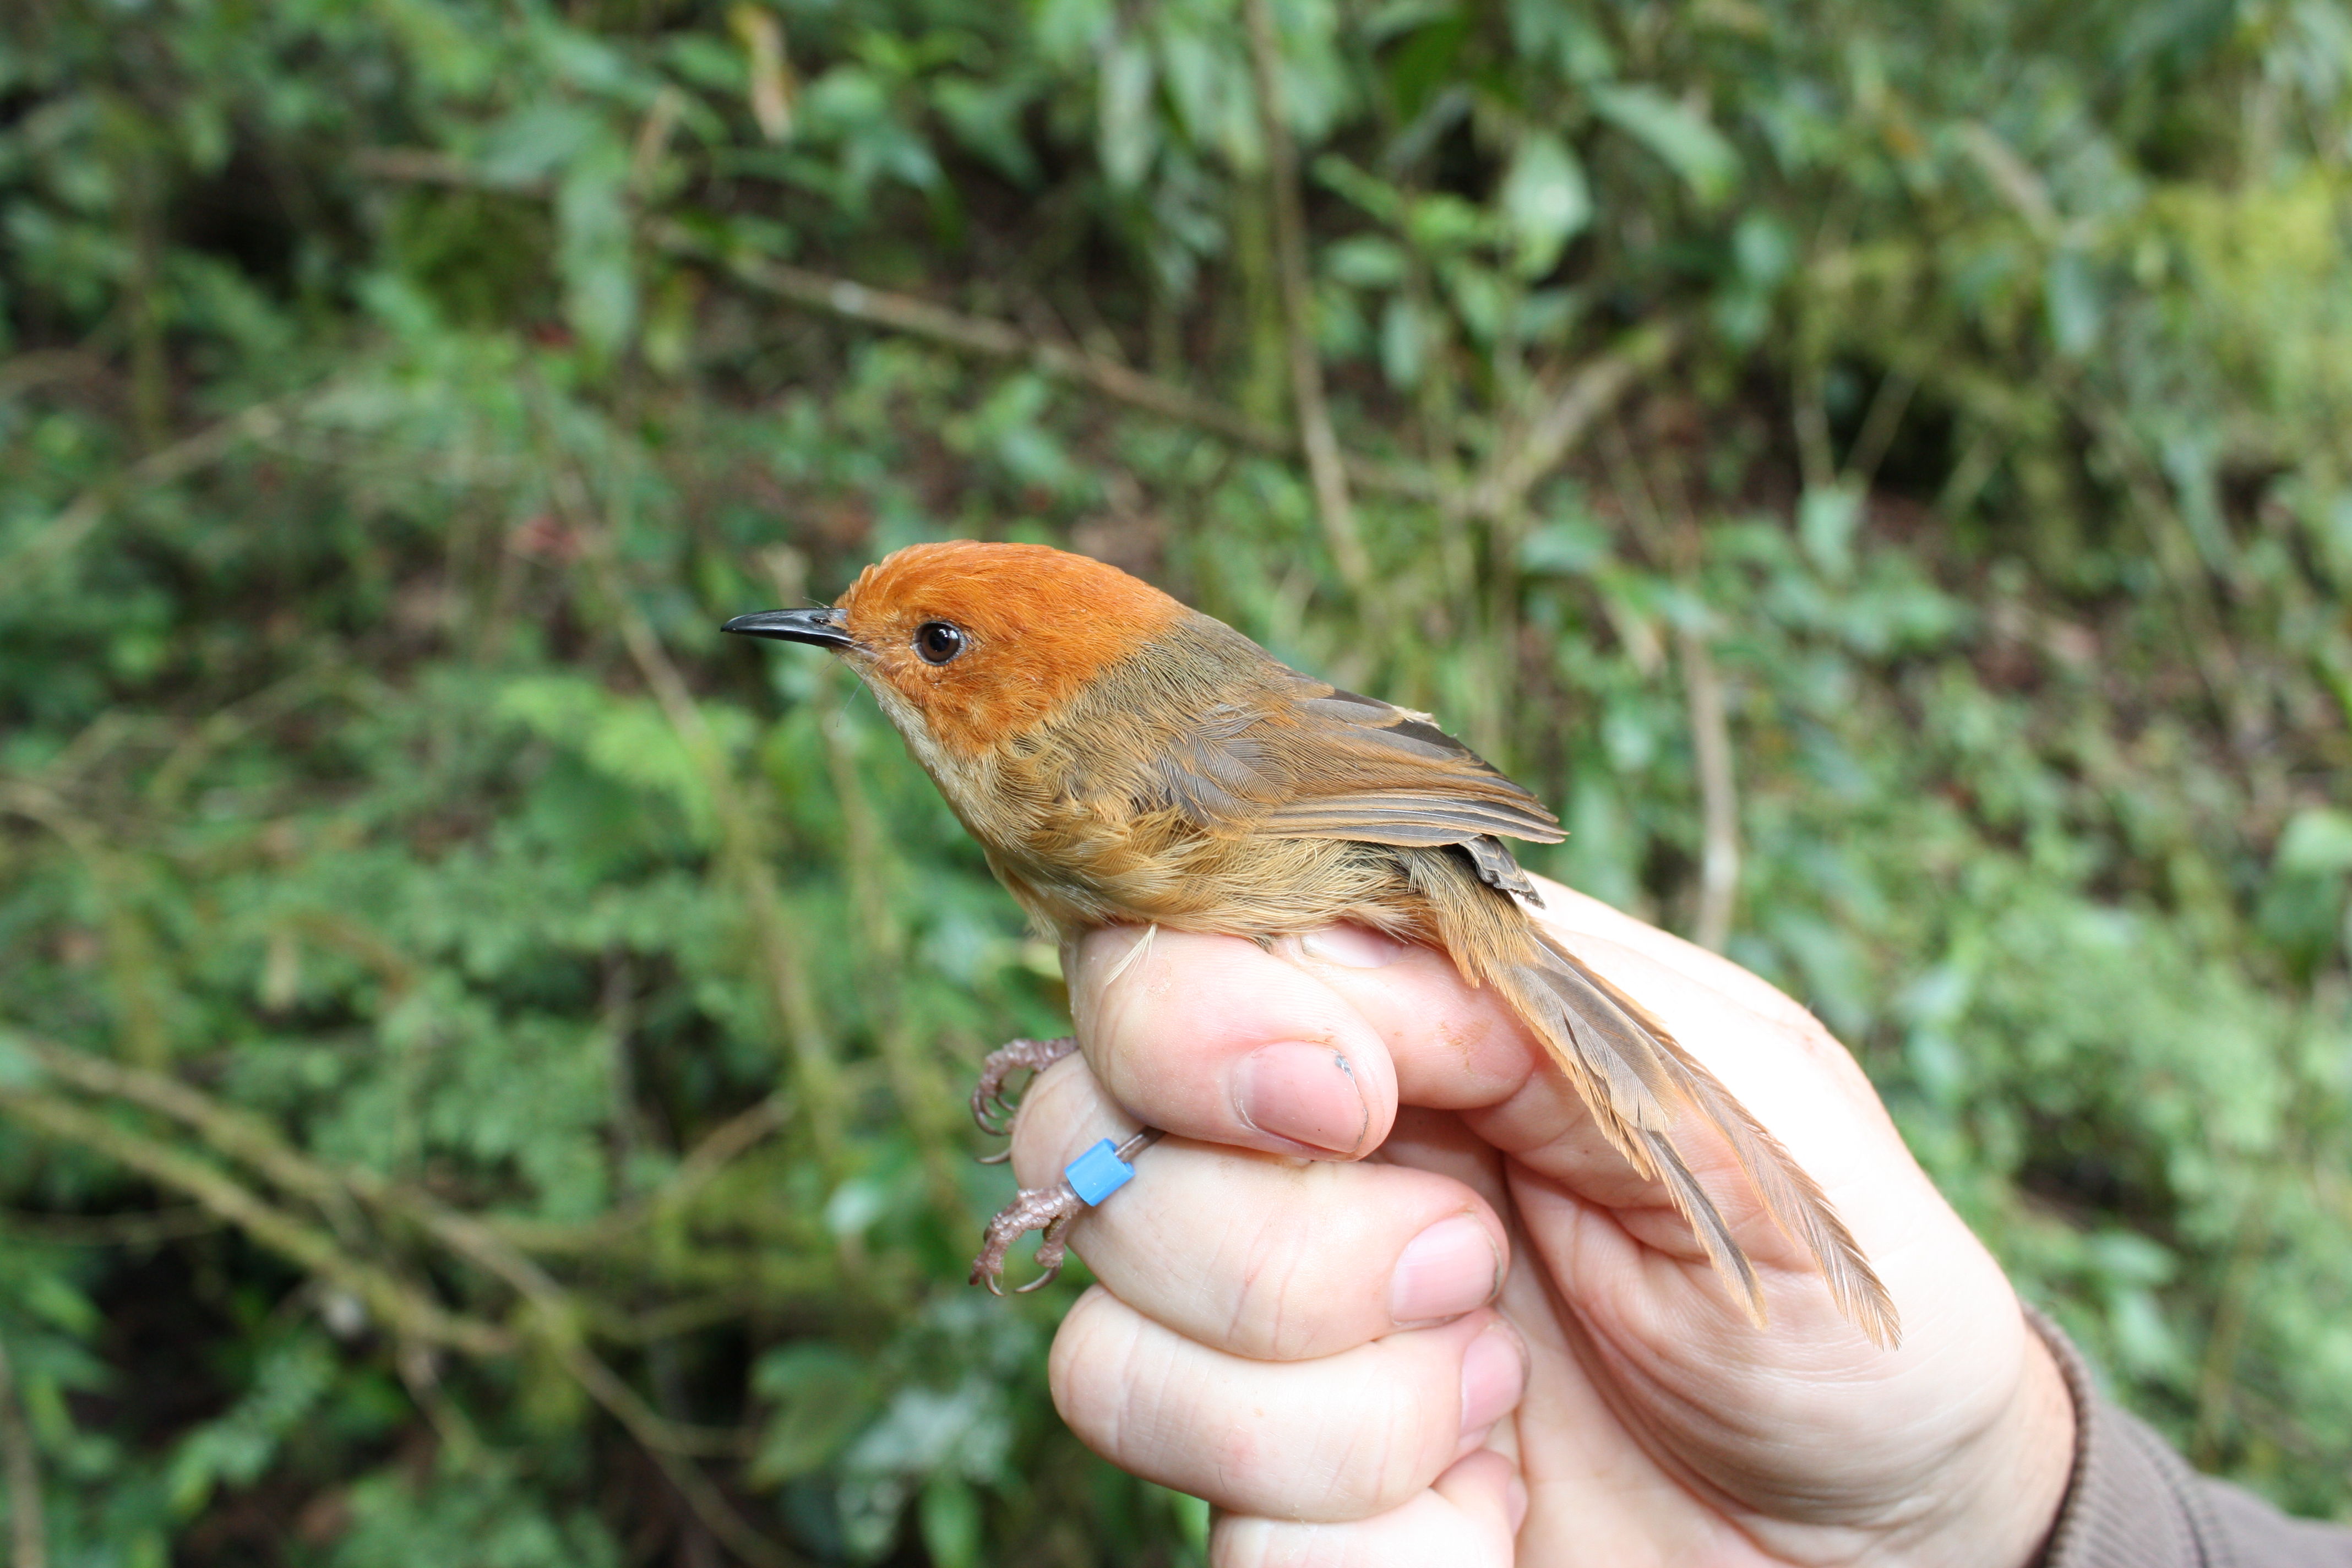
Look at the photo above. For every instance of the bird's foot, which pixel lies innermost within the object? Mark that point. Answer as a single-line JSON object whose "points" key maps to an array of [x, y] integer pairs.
{"points": [[1090, 1179], [990, 1106], [1049, 1209]]}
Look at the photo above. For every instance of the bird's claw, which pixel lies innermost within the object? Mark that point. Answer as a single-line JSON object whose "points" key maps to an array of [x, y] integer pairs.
{"points": [[991, 1107], [1049, 1209]]}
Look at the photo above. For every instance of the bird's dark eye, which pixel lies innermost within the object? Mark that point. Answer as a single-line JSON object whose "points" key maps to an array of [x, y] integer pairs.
{"points": [[939, 642]]}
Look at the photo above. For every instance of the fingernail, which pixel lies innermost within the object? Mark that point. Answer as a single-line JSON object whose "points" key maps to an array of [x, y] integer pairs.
{"points": [[1492, 1377], [1351, 946], [1305, 1093], [1448, 1269]]}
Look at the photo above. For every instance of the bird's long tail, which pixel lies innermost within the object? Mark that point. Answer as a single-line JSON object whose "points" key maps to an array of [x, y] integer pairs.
{"points": [[1635, 1076]]}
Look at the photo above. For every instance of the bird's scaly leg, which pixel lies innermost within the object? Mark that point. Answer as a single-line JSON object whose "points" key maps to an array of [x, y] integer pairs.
{"points": [[1090, 1178], [990, 1107]]}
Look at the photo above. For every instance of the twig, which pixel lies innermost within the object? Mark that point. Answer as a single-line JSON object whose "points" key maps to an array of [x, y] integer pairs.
{"points": [[109, 1229], [69, 528], [1678, 549], [235, 718], [1878, 428], [247, 1138], [555, 1318], [2217, 1380], [1591, 393], [28, 1529], [2211, 652], [920, 317], [1719, 866], [127, 938], [404, 1308], [667, 1442], [43, 367], [994, 340], [239, 1134], [1816, 458], [1324, 467]]}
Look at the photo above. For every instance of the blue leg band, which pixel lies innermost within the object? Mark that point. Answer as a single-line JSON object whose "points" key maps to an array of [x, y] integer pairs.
{"points": [[1098, 1173]]}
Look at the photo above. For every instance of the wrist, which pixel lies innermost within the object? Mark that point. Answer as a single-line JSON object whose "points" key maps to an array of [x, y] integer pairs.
{"points": [[2045, 1458], [2005, 1516]]}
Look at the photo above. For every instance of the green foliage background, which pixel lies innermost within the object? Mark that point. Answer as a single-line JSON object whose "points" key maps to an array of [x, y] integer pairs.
{"points": [[480, 1057]]}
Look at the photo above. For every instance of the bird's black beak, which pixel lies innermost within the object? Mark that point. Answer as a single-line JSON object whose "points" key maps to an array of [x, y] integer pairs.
{"points": [[821, 627]]}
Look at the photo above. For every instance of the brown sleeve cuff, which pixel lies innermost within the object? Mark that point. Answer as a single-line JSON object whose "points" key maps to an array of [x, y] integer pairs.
{"points": [[2132, 1502]]}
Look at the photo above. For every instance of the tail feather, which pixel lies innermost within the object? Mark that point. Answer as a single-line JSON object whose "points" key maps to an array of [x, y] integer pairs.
{"points": [[1707, 1222], [1635, 1074]]}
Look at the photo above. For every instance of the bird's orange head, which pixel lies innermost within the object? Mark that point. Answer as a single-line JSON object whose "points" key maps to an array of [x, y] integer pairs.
{"points": [[978, 642]]}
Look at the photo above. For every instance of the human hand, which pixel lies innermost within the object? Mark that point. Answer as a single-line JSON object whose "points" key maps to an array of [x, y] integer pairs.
{"points": [[1386, 1296]]}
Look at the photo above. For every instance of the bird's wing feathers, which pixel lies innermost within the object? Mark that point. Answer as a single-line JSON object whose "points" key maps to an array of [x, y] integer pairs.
{"points": [[1319, 762], [1404, 816]]}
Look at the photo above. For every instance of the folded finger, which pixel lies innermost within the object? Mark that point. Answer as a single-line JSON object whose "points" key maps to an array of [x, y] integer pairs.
{"points": [[1467, 1520], [1263, 1256], [1342, 1437]]}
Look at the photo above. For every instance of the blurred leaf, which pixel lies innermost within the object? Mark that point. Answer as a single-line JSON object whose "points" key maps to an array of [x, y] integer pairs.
{"points": [[2318, 842], [1127, 134], [1546, 200], [1678, 135], [821, 1397], [1404, 341], [1826, 521], [2073, 299], [950, 1511], [1568, 547]]}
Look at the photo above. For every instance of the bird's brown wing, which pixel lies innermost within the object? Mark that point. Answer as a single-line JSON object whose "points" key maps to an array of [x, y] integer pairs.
{"points": [[1308, 761]]}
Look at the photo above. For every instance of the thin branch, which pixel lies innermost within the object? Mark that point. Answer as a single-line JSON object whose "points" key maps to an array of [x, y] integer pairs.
{"points": [[881, 941], [1816, 458], [994, 340], [1325, 466], [109, 1229], [920, 319], [555, 1321], [239, 1134], [393, 1301], [2183, 571], [1718, 868], [559, 1321], [28, 1529], [2217, 1373], [234, 720], [718, 1148], [247, 1138], [1887, 407], [1678, 549], [69, 528], [45, 367], [1591, 393]]}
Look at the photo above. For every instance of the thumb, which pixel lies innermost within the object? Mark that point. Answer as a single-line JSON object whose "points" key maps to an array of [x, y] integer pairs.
{"points": [[1216, 1038]]}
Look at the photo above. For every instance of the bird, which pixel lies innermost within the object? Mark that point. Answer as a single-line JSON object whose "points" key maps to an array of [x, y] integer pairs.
{"points": [[1123, 759]]}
